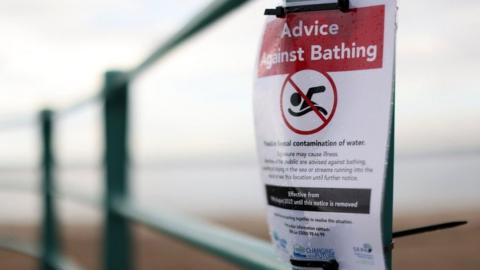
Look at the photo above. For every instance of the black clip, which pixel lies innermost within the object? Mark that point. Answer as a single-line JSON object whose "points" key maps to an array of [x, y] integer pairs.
{"points": [[281, 12], [326, 265]]}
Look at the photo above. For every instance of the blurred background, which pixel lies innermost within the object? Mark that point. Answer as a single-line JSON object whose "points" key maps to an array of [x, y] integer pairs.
{"points": [[53, 53]]}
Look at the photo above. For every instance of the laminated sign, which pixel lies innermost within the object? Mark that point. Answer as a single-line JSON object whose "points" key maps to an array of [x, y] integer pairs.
{"points": [[323, 113]]}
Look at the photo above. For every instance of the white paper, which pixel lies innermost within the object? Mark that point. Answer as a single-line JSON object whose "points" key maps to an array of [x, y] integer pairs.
{"points": [[322, 125]]}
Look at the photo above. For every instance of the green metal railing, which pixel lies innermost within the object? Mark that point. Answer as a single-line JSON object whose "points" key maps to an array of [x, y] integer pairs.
{"points": [[119, 210]]}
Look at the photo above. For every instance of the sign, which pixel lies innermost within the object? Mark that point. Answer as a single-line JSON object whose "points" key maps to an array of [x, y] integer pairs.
{"points": [[297, 102], [323, 111]]}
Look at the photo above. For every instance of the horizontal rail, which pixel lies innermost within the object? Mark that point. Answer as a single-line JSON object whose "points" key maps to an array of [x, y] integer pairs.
{"points": [[20, 247], [28, 249], [70, 195], [238, 248], [77, 106]]}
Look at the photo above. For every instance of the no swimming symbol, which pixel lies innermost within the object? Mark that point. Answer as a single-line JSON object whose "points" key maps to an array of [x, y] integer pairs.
{"points": [[308, 101]]}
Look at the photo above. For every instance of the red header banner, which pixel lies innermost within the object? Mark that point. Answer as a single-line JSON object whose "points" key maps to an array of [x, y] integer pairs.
{"points": [[324, 41]]}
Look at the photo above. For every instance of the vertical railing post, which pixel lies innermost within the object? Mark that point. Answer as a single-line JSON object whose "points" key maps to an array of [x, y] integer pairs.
{"points": [[117, 242], [49, 237]]}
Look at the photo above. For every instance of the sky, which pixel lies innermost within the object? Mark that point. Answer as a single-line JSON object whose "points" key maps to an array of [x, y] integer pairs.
{"points": [[54, 52]]}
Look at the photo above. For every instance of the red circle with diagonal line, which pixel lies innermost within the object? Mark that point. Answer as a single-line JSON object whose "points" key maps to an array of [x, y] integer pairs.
{"points": [[311, 107]]}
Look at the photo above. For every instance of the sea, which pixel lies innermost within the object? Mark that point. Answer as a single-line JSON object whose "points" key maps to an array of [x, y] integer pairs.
{"points": [[426, 184]]}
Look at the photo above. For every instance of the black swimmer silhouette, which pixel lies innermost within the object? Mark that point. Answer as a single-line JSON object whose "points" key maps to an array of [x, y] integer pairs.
{"points": [[296, 99]]}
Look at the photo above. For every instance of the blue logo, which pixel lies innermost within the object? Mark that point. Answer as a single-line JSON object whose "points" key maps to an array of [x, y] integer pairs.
{"points": [[324, 254], [299, 251]]}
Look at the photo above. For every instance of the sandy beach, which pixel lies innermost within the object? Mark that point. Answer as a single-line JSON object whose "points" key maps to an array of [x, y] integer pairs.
{"points": [[457, 248]]}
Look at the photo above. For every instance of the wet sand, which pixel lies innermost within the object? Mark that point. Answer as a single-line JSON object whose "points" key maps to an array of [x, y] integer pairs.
{"points": [[457, 248]]}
